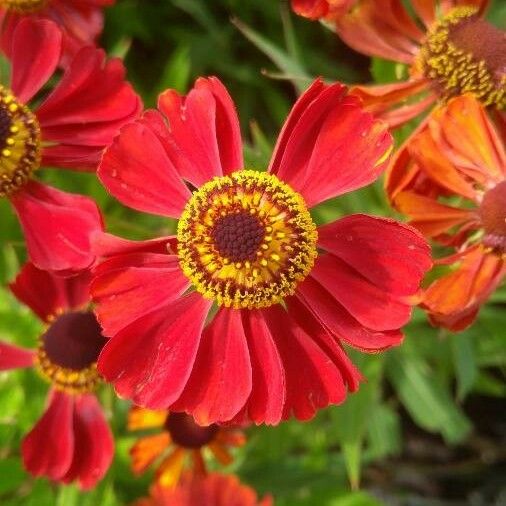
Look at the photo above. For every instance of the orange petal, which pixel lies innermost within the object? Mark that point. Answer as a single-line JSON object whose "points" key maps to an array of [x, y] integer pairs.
{"points": [[141, 418], [146, 450], [229, 437], [221, 453], [167, 475], [429, 216]]}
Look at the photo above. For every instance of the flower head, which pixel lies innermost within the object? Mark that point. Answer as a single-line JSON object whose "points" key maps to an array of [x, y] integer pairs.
{"points": [[450, 180], [212, 490], [69, 128], [72, 440], [448, 45], [81, 21], [179, 438], [287, 293]]}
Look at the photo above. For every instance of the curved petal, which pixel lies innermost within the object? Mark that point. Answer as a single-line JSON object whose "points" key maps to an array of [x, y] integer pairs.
{"points": [[79, 114], [94, 444], [389, 254], [108, 245], [330, 145], [312, 379], [150, 360], [36, 50], [370, 304], [58, 227], [220, 382], [48, 448], [47, 294], [147, 449], [268, 393], [129, 286], [312, 9], [340, 323], [146, 183], [205, 131], [430, 216], [14, 357], [454, 299]]}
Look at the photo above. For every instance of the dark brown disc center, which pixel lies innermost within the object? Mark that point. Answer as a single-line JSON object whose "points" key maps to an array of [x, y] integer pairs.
{"points": [[186, 433], [74, 341], [5, 125], [238, 236]]}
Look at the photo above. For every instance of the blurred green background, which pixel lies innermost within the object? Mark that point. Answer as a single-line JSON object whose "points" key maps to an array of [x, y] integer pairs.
{"points": [[427, 429]]}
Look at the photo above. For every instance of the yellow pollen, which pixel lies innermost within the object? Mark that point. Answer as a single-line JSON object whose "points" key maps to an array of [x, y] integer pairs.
{"points": [[19, 143], [23, 6], [246, 240], [71, 381], [464, 54]]}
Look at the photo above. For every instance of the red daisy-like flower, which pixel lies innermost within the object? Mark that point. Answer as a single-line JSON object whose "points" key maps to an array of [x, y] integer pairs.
{"points": [[212, 490], [288, 292], [81, 20], [450, 180], [448, 45], [67, 128], [178, 437], [72, 440]]}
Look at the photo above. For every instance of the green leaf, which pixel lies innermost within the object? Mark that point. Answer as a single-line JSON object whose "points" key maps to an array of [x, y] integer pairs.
{"points": [[464, 360], [292, 69], [427, 401], [383, 432], [12, 474], [176, 73]]}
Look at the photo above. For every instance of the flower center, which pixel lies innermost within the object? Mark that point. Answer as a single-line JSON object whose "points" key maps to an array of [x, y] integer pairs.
{"points": [[19, 143], [463, 53], [493, 217], [246, 240], [186, 433], [23, 6], [68, 352]]}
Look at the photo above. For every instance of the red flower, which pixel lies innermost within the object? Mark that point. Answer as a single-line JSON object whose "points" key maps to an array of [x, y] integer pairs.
{"points": [[68, 129], [448, 45], [451, 182], [72, 440], [318, 9], [178, 437], [288, 292], [213, 490], [81, 20]]}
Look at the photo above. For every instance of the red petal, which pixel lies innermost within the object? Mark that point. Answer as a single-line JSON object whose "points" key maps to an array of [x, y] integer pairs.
{"points": [[94, 444], [265, 404], [46, 294], [371, 305], [146, 183], [312, 380], [220, 383], [78, 113], [340, 323], [14, 357], [328, 343], [330, 145], [150, 361], [312, 9], [390, 254], [58, 227], [107, 245], [49, 447], [129, 286], [205, 131], [36, 50]]}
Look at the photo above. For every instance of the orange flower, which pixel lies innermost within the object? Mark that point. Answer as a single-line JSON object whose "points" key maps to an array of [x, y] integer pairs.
{"points": [[212, 490], [448, 45], [451, 182], [317, 9], [179, 438]]}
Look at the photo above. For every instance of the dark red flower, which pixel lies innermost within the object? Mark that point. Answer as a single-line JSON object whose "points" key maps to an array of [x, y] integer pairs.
{"points": [[72, 440], [80, 20], [69, 128], [212, 490], [289, 293]]}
